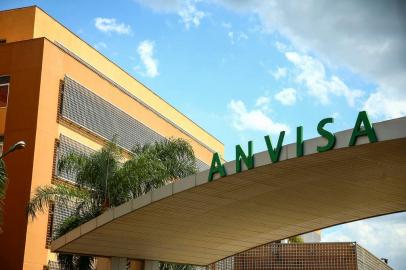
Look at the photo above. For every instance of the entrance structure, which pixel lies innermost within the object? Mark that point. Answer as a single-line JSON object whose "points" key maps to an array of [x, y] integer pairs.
{"points": [[197, 221]]}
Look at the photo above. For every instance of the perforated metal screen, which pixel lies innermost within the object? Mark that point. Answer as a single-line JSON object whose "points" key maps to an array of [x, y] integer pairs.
{"points": [[61, 213], [90, 111], [307, 256], [66, 146]]}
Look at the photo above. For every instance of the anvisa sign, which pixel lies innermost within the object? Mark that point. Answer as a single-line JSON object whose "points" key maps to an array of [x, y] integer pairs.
{"points": [[363, 127]]}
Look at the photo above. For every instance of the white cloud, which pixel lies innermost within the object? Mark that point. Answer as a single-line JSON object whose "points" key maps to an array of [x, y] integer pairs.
{"points": [[190, 15], [109, 25], [383, 236], [254, 120], [367, 37], [383, 104], [312, 74], [287, 96], [167, 6], [146, 52], [263, 103], [280, 73], [236, 37], [187, 10], [282, 47], [100, 45]]}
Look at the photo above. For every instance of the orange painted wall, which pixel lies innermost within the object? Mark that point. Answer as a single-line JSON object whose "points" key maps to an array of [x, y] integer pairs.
{"points": [[3, 112], [36, 68], [17, 24], [22, 61], [32, 116]]}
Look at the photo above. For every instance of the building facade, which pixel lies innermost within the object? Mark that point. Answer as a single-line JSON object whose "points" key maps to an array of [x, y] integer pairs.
{"points": [[59, 94], [309, 256]]}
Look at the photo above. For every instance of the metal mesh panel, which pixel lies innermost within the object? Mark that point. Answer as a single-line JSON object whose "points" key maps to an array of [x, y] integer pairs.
{"points": [[101, 117], [292, 256], [52, 265], [201, 166], [88, 110], [61, 213], [66, 146], [367, 261]]}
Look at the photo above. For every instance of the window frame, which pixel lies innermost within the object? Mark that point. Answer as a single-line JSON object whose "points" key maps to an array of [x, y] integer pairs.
{"points": [[8, 92]]}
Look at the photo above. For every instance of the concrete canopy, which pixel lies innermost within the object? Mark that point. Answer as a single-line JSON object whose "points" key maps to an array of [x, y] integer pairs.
{"points": [[199, 222]]}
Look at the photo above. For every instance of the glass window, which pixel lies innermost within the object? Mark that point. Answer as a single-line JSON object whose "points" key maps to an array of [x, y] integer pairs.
{"points": [[3, 95]]}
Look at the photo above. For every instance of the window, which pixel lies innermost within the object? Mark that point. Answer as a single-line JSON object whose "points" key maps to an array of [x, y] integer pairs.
{"points": [[3, 95], [4, 85]]}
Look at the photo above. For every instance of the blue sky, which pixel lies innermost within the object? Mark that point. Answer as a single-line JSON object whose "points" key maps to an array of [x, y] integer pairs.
{"points": [[245, 69]]}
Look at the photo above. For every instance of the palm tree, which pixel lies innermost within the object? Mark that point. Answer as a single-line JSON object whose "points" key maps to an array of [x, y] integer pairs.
{"points": [[103, 180]]}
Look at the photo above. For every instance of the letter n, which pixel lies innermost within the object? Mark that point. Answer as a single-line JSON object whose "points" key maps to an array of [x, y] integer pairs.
{"points": [[240, 156]]}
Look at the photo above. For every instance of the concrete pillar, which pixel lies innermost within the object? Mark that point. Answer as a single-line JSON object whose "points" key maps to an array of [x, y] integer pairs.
{"points": [[151, 265], [118, 263]]}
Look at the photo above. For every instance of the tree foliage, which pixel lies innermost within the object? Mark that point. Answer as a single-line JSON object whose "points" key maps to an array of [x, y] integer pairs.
{"points": [[104, 179], [295, 239]]}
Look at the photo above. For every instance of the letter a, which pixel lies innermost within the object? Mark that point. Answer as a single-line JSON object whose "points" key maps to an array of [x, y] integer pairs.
{"points": [[368, 129], [216, 167]]}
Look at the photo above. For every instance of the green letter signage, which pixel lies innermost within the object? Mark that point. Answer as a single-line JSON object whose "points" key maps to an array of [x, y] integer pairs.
{"points": [[240, 156], [274, 154], [331, 139], [363, 127], [216, 167], [299, 141], [368, 129]]}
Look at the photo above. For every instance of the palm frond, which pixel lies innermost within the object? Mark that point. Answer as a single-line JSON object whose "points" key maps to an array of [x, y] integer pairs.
{"points": [[72, 162], [177, 155], [62, 193]]}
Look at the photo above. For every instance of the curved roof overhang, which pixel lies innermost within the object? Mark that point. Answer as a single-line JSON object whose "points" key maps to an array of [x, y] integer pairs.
{"points": [[199, 222]]}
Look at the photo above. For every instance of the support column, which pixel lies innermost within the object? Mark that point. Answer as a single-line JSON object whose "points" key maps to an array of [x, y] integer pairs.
{"points": [[118, 263], [151, 265]]}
